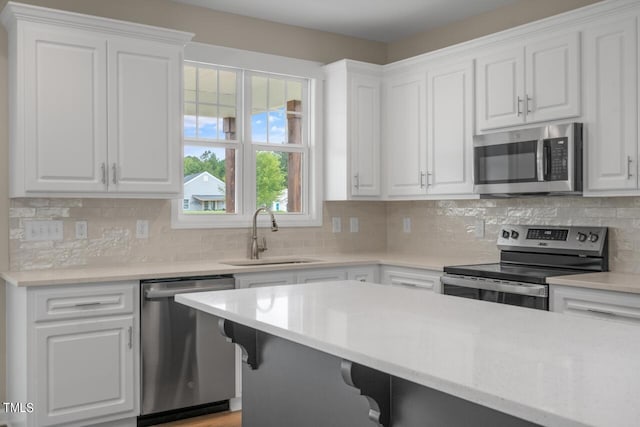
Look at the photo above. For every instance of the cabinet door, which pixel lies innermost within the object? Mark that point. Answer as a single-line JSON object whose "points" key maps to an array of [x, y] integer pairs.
{"points": [[500, 86], [365, 135], [406, 142], [144, 117], [450, 129], [84, 370], [610, 96], [64, 117], [553, 79]]}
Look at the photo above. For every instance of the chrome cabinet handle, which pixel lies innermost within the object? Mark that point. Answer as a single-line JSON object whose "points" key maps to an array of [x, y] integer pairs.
{"points": [[422, 179], [529, 99], [356, 180], [520, 101], [130, 336], [87, 304], [115, 173], [429, 174], [607, 313], [629, 161], [104, 173]]}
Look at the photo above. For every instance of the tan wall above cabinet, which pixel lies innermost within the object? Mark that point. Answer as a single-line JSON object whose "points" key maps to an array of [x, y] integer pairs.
{"points": [[96, 105]]}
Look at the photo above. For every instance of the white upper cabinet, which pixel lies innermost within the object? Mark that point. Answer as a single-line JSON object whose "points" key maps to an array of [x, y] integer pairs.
{"points": [[537, 82], [405, 135], [611, 114], [144, 135], [95, 105], [500, 84], [61, 135], [552, 78], [352, 162], [450, 129]]}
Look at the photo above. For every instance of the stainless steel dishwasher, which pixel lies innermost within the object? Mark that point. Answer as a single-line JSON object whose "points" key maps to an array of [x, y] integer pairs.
{"points": [[188, 367]]}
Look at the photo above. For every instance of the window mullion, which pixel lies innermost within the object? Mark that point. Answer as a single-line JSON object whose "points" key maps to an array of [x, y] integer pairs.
{"points": [[249, 153]]}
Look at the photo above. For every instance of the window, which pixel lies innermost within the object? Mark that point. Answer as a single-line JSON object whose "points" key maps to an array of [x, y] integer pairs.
{"points": [[247, 143]]}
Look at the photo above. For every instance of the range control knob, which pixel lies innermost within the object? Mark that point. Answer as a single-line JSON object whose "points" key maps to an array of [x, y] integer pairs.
{"points": [[581, 237], [505, 234], [593, 237], [514, 234]]}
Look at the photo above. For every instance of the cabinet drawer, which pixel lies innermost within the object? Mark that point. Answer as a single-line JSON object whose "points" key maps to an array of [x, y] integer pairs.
{"points": [[83, 301], [595, 303]]}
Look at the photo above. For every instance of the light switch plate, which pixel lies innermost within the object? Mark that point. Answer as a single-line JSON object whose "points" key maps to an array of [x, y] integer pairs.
{"points": [[336, 224], [43, 230], [354, 224], [142, 229]]}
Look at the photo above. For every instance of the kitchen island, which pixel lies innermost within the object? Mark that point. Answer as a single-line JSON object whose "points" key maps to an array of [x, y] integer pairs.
{"points": [[421, 358]]}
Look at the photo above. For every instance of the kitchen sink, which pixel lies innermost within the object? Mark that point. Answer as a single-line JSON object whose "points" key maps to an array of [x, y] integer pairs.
{"points": [[269, 261]]}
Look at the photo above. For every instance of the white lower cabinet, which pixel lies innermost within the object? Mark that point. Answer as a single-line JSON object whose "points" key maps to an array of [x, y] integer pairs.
{"points": [[74, 353], [411, 277], [609, 305], [368, 273]]}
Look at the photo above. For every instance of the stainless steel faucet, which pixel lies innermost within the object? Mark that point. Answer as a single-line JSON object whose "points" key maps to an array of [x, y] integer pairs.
{"points": [[255, 247]]}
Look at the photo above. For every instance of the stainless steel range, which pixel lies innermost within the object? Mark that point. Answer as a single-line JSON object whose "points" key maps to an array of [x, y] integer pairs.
{"points": [[528, 256]]}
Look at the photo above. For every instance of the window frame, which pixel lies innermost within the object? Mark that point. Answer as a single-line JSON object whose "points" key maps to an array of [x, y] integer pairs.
{"points": [[251, 63]]}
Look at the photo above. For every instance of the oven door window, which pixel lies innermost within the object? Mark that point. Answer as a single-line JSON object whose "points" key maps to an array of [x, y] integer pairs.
{"points": [[506, 163], [499, 297]]}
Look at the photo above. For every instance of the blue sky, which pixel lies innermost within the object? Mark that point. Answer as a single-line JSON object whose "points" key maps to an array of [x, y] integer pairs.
{"points": [[274, 120]]}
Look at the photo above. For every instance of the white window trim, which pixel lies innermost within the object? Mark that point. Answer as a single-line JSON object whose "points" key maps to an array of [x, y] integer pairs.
{"points": [[261, 62]]}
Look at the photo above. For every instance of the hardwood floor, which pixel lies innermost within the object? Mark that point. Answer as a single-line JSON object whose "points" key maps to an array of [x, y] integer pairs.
{"points": [[225, 419]]}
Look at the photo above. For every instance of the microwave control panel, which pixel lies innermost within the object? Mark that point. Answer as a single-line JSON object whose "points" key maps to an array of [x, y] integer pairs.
{"points": [[557, 158]]}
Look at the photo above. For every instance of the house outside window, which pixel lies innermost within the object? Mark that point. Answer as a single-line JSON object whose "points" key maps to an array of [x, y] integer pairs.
{"points": [[248, 143]]}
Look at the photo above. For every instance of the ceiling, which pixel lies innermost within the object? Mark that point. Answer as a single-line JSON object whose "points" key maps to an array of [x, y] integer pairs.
{"points": [[378, 20]]}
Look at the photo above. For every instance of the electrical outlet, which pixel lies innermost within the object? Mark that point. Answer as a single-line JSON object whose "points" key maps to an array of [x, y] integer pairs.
{"points": [[81, 229], [406, 224], [354, 224], [336, 224], [479, 228], [142, 229], [43, 230]]}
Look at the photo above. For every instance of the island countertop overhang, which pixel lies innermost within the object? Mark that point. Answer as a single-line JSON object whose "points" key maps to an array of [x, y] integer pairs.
{"points": [[547, 368]]}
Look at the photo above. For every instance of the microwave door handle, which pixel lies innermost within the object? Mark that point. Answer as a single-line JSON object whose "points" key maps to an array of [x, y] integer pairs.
{"points": [[540, 166], [547, 162]]}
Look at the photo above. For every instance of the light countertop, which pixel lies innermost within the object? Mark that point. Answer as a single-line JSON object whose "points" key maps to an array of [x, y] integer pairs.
{"points": [[201, 268], [548, 368], [608, 281]]}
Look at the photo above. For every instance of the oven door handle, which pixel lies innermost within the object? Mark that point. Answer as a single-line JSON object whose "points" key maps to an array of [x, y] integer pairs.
{"points": [[519, 288]]}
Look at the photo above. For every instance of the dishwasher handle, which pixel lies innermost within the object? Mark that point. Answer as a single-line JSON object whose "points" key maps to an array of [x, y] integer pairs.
{"points": [[168, 293]]}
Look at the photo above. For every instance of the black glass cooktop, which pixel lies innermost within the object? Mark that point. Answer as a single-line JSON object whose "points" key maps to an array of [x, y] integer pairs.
{"points": [[515, 272]]}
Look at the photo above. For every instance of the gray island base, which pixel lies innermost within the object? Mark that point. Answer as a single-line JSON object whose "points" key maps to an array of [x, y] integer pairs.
{"points": [[422, 359], [289, 384]]}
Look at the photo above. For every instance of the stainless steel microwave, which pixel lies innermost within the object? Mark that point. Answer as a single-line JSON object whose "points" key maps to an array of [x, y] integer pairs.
{"points": [[542, 160]]}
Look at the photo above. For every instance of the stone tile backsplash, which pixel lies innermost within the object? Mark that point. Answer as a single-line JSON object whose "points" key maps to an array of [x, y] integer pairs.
{"points": [[437, 227], [449, 227], [112, 241]]}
